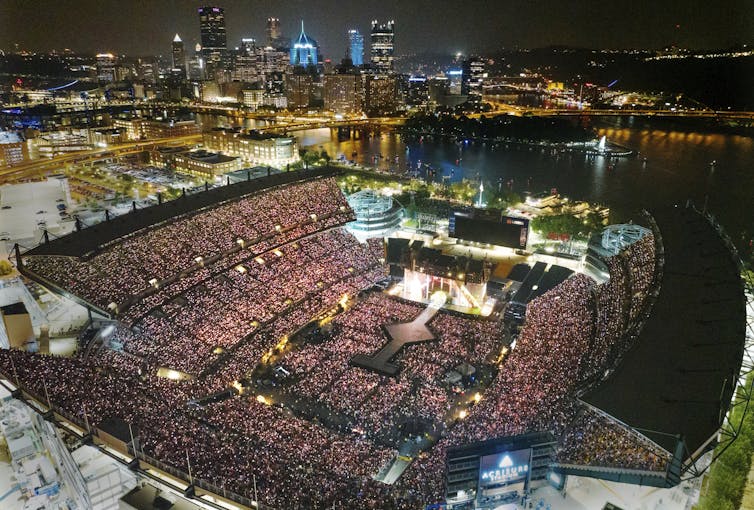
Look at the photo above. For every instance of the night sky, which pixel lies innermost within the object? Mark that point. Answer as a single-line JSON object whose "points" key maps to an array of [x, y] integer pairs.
{"points": [[142, 27]]}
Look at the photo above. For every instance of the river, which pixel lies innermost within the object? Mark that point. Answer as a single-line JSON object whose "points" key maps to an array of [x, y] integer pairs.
{"points": [[678, 166]]}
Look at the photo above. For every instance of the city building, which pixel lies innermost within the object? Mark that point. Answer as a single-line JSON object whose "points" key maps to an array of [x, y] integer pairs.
{"points": [[343, 93], [196, 64], [247, 64], [278, 100], [356, 47], [381, 95], [141, 128], [253, 98], [13, 149], [205, 164], [299, 88], [383, 46], [253, 147], [473, 78], [164, 156], [417, 91], [304, 51], [103, 137], [273, 31], [213, 37], [54, 143], [106, 67], [179, 55]]}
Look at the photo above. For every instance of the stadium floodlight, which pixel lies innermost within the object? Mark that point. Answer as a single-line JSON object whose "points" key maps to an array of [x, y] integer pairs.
{"points": [[241, 242], [199, 260], [313, 217], [153, 282], [342, 208], [278, 252], [463, 414], [240, 269], [259, 260], [277, 228]]}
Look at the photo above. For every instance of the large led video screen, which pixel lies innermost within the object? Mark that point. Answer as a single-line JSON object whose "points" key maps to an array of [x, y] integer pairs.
{"points": [[507, 468], [503, 231]]}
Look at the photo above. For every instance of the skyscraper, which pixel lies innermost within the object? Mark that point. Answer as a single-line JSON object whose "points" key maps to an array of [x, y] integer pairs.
{"points": [[179, 54], [473, 78], [356, 47], [382, 38], [273, 31], [304, 50], [214, 39]]}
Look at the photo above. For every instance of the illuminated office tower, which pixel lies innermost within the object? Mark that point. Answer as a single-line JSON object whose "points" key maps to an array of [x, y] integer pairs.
{"points": [[356, 47], [273, 31], [179, 54], [304, 50], [383, 46], [213, 36]]}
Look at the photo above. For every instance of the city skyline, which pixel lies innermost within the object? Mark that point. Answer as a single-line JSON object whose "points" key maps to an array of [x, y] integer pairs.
{"points": [[148, 29]]}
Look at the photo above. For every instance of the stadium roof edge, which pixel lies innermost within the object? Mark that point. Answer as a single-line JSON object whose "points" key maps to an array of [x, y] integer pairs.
{"points": [[680, 376]]}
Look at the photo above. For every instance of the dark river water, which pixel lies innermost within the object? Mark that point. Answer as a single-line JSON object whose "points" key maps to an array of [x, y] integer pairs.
{"points": [[678, 166]]}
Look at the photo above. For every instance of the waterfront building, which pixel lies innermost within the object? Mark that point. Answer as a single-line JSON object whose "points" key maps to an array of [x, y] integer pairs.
{"points": [[205, 164], [253, 147], [343, 92], [253, 98], [141, 128], [381, 94]]}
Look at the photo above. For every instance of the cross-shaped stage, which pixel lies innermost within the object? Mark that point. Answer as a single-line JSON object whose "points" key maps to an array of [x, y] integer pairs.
{"points": [[400, 335]]}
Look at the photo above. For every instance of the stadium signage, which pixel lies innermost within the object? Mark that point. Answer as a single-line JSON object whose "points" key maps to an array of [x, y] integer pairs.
{"points": [[505, 468], [505, 471]]}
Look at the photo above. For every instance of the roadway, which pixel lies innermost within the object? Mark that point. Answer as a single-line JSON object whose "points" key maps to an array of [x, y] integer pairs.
{"points": [[501, 107], [39, 168]]}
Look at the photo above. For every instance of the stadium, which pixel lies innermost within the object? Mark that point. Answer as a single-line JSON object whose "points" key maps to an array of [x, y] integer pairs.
{"points": [[243, 348]]}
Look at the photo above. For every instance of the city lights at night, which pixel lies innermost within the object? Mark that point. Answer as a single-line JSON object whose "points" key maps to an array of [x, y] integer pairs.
{"points": [[399, 255]]}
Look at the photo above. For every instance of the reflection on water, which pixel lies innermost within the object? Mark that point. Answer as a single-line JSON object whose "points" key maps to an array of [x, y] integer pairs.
{"points": [[677, 167]]}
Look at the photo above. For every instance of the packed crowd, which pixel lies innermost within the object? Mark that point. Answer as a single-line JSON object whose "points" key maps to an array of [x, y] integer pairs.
{"points": [[595, 440], [619, 301], [376, 403], [219, 320], [189, 333], [124, 268]]}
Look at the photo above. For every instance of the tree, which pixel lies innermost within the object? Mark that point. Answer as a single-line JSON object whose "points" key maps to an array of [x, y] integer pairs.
{"points": [[6, 267]]}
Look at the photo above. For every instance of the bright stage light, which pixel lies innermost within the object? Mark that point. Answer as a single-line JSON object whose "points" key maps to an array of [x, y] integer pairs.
{"points": [[438, 298]]}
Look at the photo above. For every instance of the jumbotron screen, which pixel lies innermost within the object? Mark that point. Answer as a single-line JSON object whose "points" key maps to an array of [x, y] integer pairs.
{"points": [[490, 228], [504, 469]]}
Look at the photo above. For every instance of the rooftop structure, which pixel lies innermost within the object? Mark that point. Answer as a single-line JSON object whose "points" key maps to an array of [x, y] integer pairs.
{"points": [[304, 51]]}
